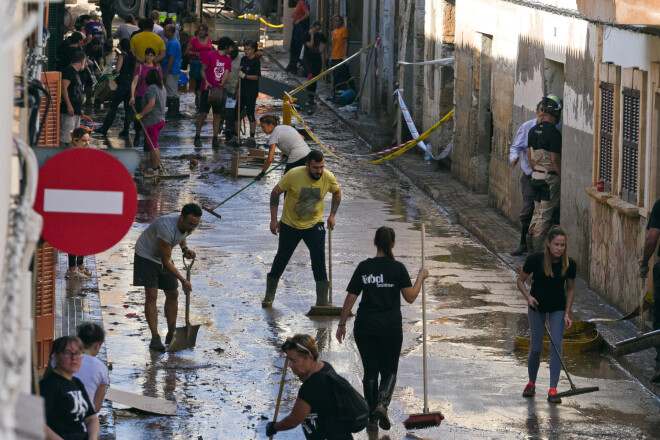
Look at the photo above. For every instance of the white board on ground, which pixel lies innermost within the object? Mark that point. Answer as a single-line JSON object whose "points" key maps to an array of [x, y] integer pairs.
{"points": [[144, 403]]}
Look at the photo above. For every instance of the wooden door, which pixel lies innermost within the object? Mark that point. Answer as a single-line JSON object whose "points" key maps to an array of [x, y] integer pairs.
{"points": [[45, 306]]}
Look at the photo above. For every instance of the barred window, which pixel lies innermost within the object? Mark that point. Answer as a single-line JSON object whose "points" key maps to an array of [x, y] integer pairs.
{"points": [[629, 159], [606, 131]]}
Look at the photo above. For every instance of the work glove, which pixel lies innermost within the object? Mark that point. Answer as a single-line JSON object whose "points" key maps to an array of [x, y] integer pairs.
{"points": [[260, 175], [270, 429], [241, 74], [643, 269], [138, 116]]}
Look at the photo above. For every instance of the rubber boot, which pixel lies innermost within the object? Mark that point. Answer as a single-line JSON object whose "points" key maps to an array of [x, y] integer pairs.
{"points": [[176, 104], [322, 293], [271, 287], [384, 397], [170, 107], [371, 396]]}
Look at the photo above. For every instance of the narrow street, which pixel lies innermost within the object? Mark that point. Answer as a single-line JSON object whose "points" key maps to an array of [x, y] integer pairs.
{"points": [[227, 385]]}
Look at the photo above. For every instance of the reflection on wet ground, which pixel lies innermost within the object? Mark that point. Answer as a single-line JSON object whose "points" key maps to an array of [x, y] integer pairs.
{"points": [[226, 386]]}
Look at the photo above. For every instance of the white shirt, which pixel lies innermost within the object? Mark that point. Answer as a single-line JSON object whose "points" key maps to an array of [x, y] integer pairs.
{"points": [[92, 374], [289, 142], [519, 146]]}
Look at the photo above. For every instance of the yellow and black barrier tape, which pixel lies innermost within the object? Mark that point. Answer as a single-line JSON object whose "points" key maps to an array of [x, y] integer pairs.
{"points": [[322, 74], [255, 17], [400, 149]]}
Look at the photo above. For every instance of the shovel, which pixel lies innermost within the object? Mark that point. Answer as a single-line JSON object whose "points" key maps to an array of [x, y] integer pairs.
{"points": [[185, 337]]}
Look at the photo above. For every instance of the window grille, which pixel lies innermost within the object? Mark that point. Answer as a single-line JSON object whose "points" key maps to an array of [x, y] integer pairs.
{"points": [[629, 159], [606, 131]]}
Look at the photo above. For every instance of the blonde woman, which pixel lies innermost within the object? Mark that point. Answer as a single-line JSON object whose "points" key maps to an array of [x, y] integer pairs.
{"points": [[551, 295]]}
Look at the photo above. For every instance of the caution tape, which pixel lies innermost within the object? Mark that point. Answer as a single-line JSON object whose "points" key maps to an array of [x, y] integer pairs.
{"points": [[399, 149], [322, 74], [254, 17]]}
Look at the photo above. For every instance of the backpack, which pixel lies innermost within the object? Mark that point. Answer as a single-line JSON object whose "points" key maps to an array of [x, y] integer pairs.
{"points": [[352, 408]]}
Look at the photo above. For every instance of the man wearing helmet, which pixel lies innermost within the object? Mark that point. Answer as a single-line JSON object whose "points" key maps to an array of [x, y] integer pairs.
{"points": [[544, 155]]}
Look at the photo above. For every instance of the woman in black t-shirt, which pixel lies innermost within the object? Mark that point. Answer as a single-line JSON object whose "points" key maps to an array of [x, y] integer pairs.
{"points": [[68, 408], [378, 330], [551, 270], [249, 74], [314, 410]]}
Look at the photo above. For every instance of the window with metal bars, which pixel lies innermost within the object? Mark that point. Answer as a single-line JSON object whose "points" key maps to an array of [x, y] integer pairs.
{"points": [[629, 156], [606, 131]]}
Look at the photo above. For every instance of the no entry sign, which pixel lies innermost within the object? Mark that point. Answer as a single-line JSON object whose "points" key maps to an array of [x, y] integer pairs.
{"points": [[87, 199]]}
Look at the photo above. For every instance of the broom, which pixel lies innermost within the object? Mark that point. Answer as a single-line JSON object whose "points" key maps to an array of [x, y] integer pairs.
{"points": [[426, 419]]}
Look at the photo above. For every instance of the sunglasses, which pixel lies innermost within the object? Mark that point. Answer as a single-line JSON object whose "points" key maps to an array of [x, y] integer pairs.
{"points": [[290, 344]]}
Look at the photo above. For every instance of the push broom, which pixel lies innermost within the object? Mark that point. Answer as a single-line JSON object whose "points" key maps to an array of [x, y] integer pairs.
{"points": [[212, 210], [574, 390], [426, 419]]}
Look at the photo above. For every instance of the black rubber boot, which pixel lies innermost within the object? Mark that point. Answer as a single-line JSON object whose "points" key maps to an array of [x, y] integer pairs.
{"points": [[384, 397], [322, 293], [371, 395], [271, 287], [522, 247]]}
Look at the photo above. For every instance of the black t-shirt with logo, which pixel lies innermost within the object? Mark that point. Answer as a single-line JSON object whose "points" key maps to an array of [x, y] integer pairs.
{"points": [[321, 423], [549, 291], [380, 281], [654, 219], [75, 89], [250, 87], [545, 136], [67, 404]]}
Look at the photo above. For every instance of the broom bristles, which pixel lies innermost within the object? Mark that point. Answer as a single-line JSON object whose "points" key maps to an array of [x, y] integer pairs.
{"points": [[424, 420]]}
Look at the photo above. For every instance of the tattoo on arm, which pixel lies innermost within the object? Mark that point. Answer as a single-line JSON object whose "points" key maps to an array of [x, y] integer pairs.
{"points": [[335, 204], [274, 199]]}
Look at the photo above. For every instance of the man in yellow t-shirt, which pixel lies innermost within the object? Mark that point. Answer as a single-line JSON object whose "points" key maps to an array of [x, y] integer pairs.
{"points": [[302, 219], [146, 38]]}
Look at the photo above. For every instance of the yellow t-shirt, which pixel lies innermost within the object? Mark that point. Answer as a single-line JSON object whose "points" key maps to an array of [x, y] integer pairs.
{"points": [[140, 42], [338, 43], [303, 204]]}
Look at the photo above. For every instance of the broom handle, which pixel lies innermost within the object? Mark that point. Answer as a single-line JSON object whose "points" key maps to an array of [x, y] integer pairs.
{"points": [[188, 267], [552, 342], [330, 266], [426, 394], [279, 394], [238, 111]]}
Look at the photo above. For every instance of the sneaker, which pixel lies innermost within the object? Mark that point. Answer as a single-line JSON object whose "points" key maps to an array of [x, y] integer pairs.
{"points": [[85, 271], [75, 275], [552, 396], [156, 344], [530, 390], [168, 338]]}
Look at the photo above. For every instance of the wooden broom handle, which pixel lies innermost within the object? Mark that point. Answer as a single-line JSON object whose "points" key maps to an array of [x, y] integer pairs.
{"points": [[426, 394]]}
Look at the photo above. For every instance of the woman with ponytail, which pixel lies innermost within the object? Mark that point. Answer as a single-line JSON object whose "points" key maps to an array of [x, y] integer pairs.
{"points": [[378, 330], [551, 297]]}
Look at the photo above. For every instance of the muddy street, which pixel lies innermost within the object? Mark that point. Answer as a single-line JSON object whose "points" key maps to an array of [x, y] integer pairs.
{"points": [[227, 385]]}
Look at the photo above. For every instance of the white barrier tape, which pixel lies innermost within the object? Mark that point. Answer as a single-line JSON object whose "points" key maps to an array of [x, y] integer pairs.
{"points": [[440, 62], [415, 133]]}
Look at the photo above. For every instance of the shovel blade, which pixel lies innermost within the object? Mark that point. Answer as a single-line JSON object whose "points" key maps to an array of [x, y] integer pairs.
{"points": [[184, 337], [328, 310]]}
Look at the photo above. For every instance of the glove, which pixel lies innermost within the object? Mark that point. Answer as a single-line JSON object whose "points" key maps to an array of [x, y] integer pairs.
{"points": [[241, 74], [270, 429], [260, 175], [643, 269], [138, 116]]}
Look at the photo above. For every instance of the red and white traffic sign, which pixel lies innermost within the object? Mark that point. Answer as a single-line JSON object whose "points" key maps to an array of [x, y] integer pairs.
{"points": [[88, 201]]}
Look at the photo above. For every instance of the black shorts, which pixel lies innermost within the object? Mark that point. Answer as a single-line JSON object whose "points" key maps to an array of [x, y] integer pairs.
{"points": [[150, 274], [205, 106]]}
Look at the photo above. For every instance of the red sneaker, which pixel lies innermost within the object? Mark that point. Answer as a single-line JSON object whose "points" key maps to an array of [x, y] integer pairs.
{"points": [[530, 390], [552, 396]]}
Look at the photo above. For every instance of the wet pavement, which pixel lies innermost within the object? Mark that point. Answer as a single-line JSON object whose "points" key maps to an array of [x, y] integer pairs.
{"points": [[227, 385]]}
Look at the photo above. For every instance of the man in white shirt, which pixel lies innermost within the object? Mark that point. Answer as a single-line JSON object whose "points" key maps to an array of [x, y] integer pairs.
{"points": [[518, 153]]}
